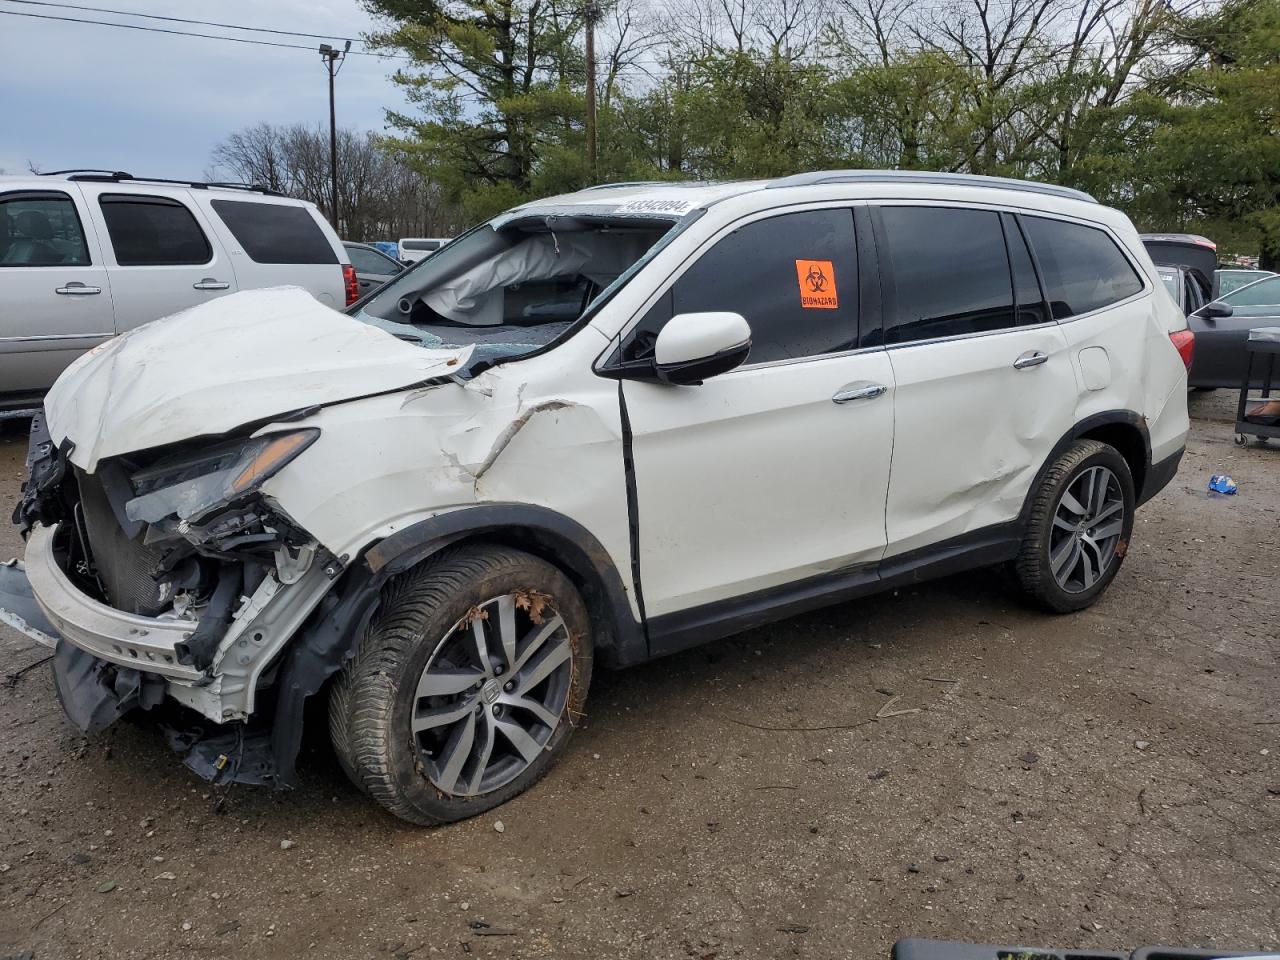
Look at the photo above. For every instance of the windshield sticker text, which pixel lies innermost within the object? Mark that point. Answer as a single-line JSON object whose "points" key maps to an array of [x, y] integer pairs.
{"points": [[655, 206]]}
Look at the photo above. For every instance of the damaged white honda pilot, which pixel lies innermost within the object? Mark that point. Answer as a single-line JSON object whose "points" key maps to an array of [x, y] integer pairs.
{"points": [[601, 427]]}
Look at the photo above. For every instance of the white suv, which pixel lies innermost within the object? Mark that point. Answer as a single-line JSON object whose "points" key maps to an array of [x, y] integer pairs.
{"points": [[600, 427], [86, 255]]}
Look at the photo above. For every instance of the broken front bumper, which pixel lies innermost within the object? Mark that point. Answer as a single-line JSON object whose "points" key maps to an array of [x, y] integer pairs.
{"points": [[261, 627], [125, 639]]}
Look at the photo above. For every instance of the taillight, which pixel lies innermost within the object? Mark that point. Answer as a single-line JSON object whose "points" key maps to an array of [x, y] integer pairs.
{"points": [[1184, 341], [351, 283]]}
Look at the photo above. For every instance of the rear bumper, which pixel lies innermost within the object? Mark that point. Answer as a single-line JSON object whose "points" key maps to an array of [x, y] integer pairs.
{"points": [[1160, 475]]}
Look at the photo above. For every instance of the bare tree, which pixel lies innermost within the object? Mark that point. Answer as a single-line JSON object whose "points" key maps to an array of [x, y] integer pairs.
{"points": [[379, 195]]}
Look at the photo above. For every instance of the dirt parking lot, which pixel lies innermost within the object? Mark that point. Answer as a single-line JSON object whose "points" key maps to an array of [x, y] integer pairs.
{"points": [[1102, 780]]}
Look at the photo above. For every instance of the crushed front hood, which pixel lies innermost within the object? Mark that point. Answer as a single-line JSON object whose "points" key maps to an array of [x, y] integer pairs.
{"points": [[207, 370]]}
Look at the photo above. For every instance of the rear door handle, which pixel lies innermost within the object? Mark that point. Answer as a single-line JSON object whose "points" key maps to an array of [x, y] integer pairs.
{"points": [[77, 289], [209, 283], [1032, 358], [862, 390]]}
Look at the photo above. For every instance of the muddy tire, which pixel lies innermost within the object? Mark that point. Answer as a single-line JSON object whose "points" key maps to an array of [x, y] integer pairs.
{"points": [[466, 687], [1079, 529]]}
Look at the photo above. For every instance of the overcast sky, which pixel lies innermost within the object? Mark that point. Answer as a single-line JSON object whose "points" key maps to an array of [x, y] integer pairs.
{"points": [[76, 95]]}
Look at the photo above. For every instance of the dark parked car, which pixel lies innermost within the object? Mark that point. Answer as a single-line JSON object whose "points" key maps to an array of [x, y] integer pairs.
{"points": [[373, 267], [1222, 328]]}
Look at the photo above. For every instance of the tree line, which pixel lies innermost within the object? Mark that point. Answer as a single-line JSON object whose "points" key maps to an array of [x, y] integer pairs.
{"points": [[1166, 108]]}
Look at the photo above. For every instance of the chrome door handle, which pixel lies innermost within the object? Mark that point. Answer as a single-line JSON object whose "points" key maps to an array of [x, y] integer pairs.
{"points": [[209, 283], [1032, 358], [859, 391], [77, 289]]}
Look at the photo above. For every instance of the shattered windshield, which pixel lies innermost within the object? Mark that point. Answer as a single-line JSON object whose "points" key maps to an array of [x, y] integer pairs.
{"points": [[512, 289]]}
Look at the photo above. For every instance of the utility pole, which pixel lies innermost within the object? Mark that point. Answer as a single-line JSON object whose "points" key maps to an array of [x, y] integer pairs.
{"points": [[333, 63], [592, 15]]}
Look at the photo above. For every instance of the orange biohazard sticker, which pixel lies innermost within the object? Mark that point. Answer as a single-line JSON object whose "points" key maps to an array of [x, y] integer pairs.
{"points": [[817, 279]]}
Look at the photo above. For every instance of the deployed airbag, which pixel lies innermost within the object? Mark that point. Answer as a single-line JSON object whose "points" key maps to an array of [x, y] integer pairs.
{"points": [[475, 296]]}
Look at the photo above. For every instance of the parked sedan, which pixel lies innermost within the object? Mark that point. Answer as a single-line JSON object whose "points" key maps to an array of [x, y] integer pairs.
{"points": [[1222, 328], [373, 267]]}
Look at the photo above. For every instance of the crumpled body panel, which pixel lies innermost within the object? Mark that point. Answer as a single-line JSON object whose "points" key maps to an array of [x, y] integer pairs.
{"points": [[231, 361]]}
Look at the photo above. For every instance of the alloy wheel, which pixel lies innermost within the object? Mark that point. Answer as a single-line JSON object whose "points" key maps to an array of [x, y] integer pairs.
{"points": [[492, 694], [1087, 525]]}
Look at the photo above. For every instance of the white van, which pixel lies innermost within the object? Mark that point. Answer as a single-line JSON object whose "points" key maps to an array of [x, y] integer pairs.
{"points": [[413, 249], [87, 255]]}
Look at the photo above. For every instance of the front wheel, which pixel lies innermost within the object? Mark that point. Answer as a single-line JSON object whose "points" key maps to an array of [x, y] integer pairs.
{"points": [[466, 687], [1080, 524]]}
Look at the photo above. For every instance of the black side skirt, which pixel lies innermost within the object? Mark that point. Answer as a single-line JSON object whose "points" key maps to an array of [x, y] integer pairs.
{"points": [[672, 632]]}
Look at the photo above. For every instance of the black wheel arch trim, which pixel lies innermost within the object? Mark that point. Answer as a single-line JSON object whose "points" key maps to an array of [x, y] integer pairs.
{"points": [[331, 634], [1107, 418]]}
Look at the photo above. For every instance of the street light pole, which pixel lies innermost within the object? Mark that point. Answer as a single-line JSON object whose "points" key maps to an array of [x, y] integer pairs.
{"points": [[592, 15], [333, 63]]}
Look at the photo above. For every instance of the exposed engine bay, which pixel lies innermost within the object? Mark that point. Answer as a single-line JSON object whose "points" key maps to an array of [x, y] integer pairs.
{"points": [[175, 534]]}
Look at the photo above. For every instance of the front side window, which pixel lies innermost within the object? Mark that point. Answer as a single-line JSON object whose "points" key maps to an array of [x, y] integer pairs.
{"points": [[793, 277], [1264, 293], [1083, 269], [275, 232], [153, 231], [950, 273], [41, 230], [1231, 280]]}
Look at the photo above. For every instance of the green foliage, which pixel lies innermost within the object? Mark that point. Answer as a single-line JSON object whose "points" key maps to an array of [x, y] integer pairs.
{"points": [[1173, 119]]}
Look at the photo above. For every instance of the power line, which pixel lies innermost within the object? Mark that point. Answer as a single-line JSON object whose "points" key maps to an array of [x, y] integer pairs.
{"points": [[200, 23], [190, 33]]}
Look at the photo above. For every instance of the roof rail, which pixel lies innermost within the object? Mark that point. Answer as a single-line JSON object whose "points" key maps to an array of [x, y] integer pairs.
{"points": [[59, 173], [627, 183], [119, 176], [924, 176]]}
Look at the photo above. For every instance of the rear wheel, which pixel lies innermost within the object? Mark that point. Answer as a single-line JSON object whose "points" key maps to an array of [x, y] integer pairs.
{"points": [[1081, 521], [466, 688]]}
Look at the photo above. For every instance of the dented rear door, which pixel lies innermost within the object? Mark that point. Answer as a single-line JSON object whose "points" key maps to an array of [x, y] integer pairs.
{"points": [[984, 382]]}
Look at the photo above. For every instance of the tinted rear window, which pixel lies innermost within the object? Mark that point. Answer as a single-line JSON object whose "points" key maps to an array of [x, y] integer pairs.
{"points": [[1083, 269], [275, 232], [153, 231], [951, 273], [421, 244]]}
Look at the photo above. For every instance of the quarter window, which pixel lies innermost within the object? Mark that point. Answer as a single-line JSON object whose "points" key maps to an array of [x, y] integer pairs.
{"points": [[275, 232], [153, 231], [950, 273], [41, 230], [1083, 269], [793, 277]]}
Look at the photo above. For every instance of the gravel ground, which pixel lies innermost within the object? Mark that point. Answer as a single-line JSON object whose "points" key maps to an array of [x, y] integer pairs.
{"points": [[1102, 780]]}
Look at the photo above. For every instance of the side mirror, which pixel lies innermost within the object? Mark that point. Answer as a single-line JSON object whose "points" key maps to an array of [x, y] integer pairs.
{"points": [[694, 346], [1216, 310]]}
